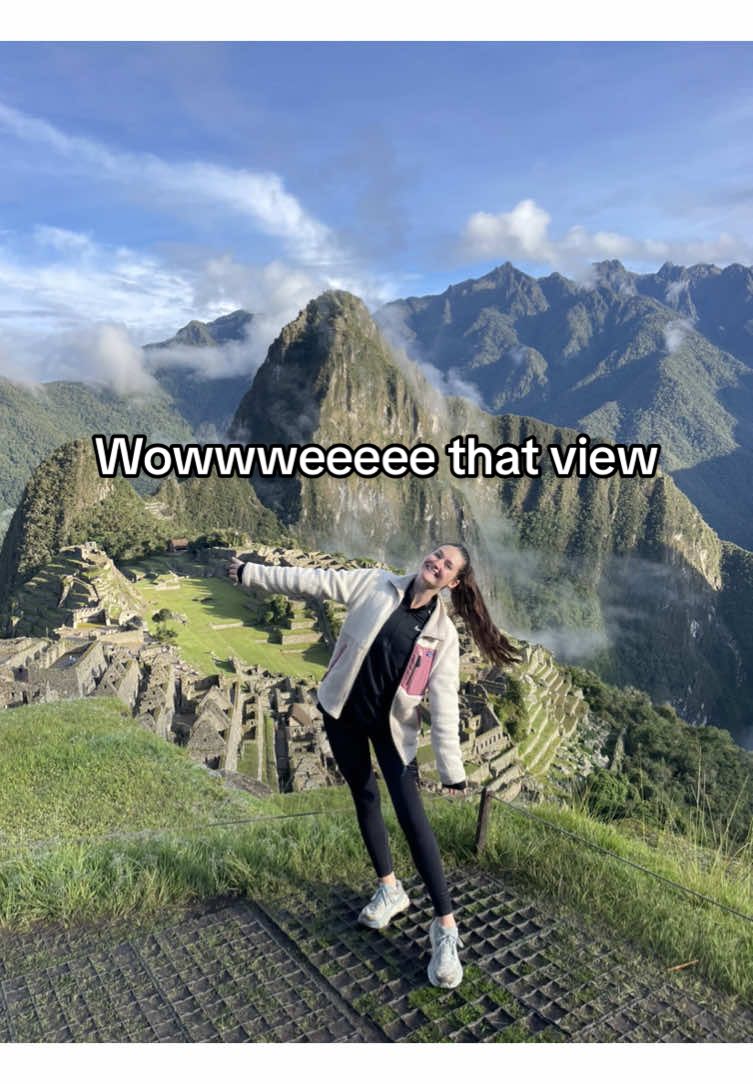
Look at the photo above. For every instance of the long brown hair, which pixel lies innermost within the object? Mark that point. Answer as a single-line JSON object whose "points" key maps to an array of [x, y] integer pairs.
{"points": [[469, 604]]}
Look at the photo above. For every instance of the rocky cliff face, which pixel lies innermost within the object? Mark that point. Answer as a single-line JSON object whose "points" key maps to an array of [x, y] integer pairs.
{"points": [[623, 573]]}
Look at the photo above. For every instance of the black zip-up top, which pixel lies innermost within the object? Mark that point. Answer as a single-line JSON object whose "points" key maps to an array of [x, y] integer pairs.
{"points": [[380, 674]]}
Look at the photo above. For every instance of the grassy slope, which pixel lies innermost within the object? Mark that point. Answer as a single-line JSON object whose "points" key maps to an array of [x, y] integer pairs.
{"points": [[198, 641], [84, 767], [81, 768]]}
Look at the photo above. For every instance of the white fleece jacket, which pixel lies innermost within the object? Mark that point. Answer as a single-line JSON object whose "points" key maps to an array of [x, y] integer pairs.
{"points": [[371, 595]]}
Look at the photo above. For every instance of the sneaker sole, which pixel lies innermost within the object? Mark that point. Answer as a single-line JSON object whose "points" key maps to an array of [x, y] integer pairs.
{"points": [[374, 925]]}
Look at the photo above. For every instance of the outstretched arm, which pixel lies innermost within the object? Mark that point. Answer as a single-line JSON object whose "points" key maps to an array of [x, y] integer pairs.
{"points": [[322, 583]]}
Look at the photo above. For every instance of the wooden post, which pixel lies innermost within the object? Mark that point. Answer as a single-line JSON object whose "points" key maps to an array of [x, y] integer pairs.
{"points": [[484, 807]]}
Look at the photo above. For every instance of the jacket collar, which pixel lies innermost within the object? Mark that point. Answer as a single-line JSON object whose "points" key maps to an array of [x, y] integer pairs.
{"points": [[434, 627]]}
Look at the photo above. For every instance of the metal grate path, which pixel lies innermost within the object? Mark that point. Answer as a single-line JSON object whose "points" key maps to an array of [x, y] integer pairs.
{"points": [[301, 970]]}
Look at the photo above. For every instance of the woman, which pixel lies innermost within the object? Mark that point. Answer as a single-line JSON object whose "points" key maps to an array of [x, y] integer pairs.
{"points": [[397, 642]]}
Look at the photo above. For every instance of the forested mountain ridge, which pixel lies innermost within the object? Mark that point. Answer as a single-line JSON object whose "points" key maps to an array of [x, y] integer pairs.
{"points": [[664, 358]]}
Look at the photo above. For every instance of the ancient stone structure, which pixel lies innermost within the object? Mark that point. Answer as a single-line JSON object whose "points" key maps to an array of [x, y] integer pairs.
{"points": [[72, 675], [156, 705]]}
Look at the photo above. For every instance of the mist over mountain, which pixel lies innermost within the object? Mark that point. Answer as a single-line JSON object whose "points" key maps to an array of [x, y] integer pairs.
{"points": [[200, 391], [664, 358], [718, 301], [623, 572], [192, 398]]}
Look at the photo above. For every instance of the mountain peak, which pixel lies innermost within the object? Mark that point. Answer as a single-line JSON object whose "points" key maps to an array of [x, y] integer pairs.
{"points": [[615, 276], [609, 265], [228, 328]]}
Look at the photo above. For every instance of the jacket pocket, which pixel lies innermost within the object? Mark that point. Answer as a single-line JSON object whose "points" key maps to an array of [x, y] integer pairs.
{"points": [[340, 648], [416, 675]]}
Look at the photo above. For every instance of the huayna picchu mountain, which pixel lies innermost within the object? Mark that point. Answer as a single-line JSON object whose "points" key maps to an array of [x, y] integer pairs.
{"points": [[623, 572], [664, 358]]}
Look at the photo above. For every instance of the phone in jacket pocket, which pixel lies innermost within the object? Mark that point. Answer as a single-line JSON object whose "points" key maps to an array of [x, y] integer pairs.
{"points": [[416, 675]]}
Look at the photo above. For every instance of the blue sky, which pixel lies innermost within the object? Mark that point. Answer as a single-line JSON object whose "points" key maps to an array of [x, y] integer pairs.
{"points": [[143, 185]]}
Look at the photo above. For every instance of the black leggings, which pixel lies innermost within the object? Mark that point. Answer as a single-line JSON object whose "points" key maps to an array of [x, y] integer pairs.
{"points": [[349, 740]]}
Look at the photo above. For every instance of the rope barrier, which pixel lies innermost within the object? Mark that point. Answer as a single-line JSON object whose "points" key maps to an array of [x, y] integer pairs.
{"points": [[619, 858], [142, 833]]}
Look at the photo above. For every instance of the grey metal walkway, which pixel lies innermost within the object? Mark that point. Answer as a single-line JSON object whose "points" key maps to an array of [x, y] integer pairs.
{"points": [[301, 970]]}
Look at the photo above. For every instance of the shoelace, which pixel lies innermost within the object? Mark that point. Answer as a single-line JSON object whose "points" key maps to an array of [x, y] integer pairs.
{"points": [[446, 942], [381, 898], [449, 938]]}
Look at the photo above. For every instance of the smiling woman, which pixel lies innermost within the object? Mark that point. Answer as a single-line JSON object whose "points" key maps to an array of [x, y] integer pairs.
{"points": [[396, 645]]}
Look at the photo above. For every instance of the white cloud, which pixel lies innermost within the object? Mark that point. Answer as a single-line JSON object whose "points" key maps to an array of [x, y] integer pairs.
{"points": [[105, 353], [523, 234], [58, 280], [101, 353], [259, 197], [519, 234], [675, 334], [61, 240], [57, 287]]}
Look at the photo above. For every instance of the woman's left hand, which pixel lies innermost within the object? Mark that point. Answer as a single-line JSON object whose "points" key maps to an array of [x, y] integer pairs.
{"points": [[231, 569]]}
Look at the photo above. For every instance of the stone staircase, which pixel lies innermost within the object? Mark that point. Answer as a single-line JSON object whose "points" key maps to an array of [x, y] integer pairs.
{"points": [[502, 772], [303, 627], [508, 775], [553, 706]]}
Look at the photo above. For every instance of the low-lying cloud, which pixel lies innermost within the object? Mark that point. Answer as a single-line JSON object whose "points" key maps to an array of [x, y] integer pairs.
{"points": [[101, 353], [675, 334], [523, 233], [408, 356]]}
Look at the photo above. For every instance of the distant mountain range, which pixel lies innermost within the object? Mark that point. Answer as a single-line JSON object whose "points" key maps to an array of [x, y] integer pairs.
{"points": [[665, 357], [623, 572]]}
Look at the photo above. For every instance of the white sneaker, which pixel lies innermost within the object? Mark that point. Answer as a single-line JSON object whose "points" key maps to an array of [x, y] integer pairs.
{"points": [[445, 969], [386, 902]]}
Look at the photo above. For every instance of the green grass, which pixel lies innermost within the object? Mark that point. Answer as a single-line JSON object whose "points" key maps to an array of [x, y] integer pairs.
{"points": [[207, 601], [84, 768], [668, 923], [248, 762], [270, 760], [77, 770]]}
